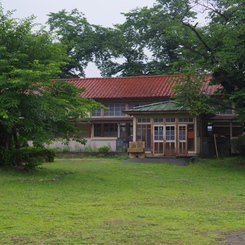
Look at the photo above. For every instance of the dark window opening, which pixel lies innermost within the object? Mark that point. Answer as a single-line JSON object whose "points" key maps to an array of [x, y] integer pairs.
{"points": [[106, 130]]}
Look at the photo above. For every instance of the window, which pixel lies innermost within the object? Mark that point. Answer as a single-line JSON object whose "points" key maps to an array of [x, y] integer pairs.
{"points": [[158, 133], [144, 120], [114, 110], [126, 129], [224, 112], [97, 130], [186, 119], [223, 108], [97, 113], [170, 119], [190, 137], [170, 133], [182, 133], [105, 130], [158, 119]]}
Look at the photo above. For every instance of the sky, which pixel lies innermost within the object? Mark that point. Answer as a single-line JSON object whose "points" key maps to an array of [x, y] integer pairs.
{"points": [[99, 12]]}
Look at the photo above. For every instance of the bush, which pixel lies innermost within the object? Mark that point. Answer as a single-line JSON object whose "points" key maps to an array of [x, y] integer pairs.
{"points": [[238, 145], [6, 157], [27, 157], [104, 149], [66, 150]]}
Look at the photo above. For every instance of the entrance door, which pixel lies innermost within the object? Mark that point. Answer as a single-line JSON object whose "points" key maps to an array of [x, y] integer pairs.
{"points": [[182, 140], [164, 140]]}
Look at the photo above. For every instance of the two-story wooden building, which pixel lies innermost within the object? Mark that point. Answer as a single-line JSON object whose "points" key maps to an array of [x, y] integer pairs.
{"points": [[141, 109]]}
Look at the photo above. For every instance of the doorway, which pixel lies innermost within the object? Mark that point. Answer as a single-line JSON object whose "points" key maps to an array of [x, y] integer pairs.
{"points": [[164, 140]]}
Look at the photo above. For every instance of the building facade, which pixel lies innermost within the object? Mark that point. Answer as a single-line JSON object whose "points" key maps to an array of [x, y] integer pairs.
{"points": [[141, 109]]}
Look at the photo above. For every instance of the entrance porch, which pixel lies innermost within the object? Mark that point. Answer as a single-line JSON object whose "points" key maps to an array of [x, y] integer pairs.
{"points": [[166, 129]]}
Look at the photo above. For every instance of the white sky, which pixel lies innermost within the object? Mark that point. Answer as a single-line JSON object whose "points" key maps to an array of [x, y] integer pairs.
{"points": [[99, 12]]}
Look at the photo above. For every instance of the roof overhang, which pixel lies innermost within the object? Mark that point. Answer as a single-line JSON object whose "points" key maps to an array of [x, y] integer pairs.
{"points": [[112, 119], [131, 113], [169, 106]]}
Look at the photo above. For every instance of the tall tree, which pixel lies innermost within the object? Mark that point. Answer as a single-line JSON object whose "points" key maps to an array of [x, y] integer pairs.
{"points": [[218, 47], [143, 46], [215, 46], [128, 49], [85, 42], [31, 105], [127, 52], [74, 31]]}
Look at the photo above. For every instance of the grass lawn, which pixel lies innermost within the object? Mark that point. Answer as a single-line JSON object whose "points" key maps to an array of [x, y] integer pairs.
{"points": [[106, 201]]}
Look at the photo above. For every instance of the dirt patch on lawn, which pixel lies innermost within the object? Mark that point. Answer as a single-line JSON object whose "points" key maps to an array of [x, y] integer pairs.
{"points": [[234, 237]]}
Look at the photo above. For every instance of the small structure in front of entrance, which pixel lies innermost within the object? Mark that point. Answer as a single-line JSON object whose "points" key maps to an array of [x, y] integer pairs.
{"points": [[136, 149]]}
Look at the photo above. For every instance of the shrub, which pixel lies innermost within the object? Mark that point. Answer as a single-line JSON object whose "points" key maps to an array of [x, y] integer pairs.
{"points": [[66, 150], [104, 149], [238, 145], [27, 157], [6, 157]]}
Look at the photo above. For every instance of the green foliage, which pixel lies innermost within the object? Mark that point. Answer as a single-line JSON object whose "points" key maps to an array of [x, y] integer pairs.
{"points": [[88, 149], [103, 149], [6, 157], [161, 40], [66, 150], [189, 92], [238, 144], [238, 97], [216, 47], [122, 158], [165, 39], [84, 42], [26, 157], [32, 106]]}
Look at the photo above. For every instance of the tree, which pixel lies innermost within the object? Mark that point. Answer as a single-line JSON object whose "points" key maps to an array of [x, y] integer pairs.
{"points": [[31, 105], [128, 49], [127, 53], [85, 42], [215, 47], [143, 46], [74, 31]]}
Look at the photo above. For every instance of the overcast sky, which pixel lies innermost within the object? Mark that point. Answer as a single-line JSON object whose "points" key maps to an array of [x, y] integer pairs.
{"points": [[100, 12]]}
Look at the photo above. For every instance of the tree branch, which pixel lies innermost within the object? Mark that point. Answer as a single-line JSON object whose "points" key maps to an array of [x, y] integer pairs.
{"points": [[193, 28]]}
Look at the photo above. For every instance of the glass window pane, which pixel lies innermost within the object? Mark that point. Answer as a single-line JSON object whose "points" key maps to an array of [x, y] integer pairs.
{"points": [[144, 120], [114, 110], [97, 130], [185, 119], [158, 119], [170, 119], [97, 113]]}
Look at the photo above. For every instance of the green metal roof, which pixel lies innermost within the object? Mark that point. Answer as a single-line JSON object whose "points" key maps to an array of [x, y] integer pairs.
{"points": [[170, 106]]}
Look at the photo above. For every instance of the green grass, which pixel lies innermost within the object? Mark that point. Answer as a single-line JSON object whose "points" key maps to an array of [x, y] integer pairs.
{"points": [[105, 201]]}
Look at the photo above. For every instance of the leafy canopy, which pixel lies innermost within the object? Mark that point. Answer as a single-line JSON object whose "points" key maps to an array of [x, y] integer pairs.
{"points": [[174, 36], [31, 105]]}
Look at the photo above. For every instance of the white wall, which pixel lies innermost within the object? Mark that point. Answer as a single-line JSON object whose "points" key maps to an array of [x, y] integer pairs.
{"points": [[91, 144]]}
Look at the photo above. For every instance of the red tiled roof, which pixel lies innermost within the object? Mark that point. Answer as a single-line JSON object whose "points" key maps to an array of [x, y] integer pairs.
{"points": [[130, 87]]}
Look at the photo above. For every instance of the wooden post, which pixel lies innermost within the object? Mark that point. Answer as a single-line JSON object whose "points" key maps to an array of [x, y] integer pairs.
{"points": [[216, 148]]}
